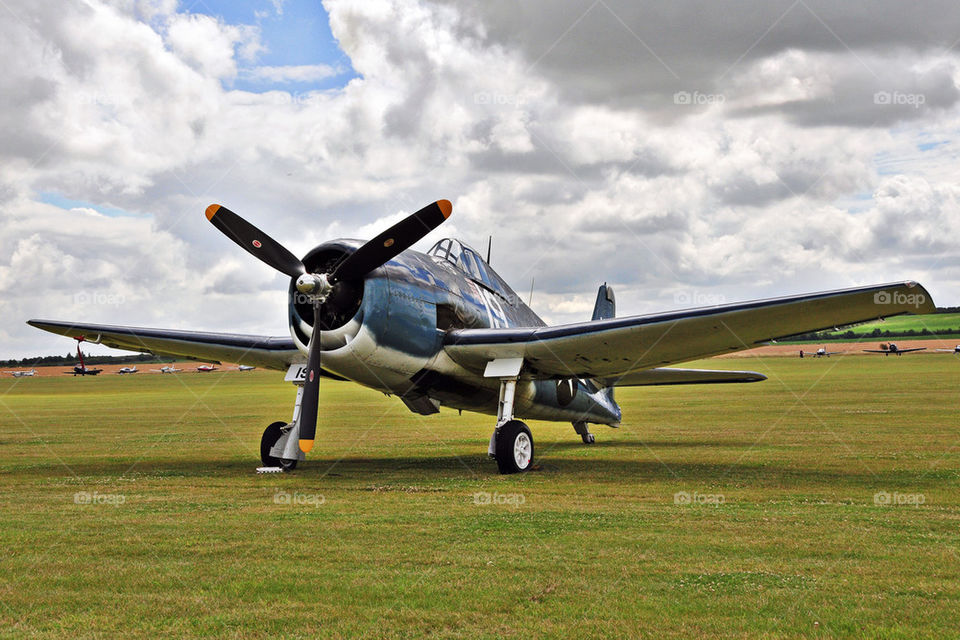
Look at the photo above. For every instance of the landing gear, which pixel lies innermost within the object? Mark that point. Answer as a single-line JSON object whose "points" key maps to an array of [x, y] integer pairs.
{"points": [[272, 435], [514, 447], [584, 432], [511, 443]]}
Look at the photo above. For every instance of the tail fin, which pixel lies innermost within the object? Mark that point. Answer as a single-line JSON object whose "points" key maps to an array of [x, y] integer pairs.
{"points": [[604, 309], [606, 305]]}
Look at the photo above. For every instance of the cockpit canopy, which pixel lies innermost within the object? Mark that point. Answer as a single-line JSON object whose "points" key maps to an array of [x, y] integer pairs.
{"points": [[468, 261]]}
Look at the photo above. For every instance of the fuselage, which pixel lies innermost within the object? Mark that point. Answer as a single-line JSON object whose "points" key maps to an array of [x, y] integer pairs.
{"points": [[393, 342]]}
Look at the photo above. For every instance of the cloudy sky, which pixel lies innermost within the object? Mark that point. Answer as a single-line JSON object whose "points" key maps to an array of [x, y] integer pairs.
{"points": [[688, 152]]}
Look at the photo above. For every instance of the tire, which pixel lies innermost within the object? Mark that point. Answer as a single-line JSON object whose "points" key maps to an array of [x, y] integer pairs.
{"points": [[514, 448], [270, 436]]}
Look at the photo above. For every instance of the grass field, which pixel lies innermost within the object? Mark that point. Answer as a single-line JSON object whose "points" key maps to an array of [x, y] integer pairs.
{"points": [[949, 322], [823, 502]]}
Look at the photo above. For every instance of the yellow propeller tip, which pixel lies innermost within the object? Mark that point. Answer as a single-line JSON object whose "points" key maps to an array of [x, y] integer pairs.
{"points": [[445, 208], [306, 445], [212, 211]]}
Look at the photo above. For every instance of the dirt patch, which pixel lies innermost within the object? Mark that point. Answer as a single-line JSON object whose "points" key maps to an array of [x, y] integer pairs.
{"points": [[793, 350]]}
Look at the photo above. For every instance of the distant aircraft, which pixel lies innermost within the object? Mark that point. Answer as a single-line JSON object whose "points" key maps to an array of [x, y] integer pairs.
{"points": [[23, 374], [124, 370], [442, 328], [81, 369], [206, 368], [244, 367], [823, 353], [170, 369], [956, 349], [894, 349]]}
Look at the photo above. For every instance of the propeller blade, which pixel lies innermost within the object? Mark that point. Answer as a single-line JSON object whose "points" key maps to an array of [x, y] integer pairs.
{"points": [[310, 403], [255, 241], [393, 241]]}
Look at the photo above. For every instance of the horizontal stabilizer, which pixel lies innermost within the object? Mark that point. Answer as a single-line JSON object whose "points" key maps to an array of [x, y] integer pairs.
{"points": [[667, 375]]}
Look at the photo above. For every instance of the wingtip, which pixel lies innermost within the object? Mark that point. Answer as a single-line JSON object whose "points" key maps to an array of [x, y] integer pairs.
{"points": [[446, 208], [212, 211]]}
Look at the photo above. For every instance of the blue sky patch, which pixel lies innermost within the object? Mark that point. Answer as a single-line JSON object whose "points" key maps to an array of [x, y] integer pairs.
{"points": [[295, 33], [58, 200]]}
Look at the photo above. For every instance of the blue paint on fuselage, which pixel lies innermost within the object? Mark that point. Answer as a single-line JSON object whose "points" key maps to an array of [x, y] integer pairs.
{"points": [[404, 305]]}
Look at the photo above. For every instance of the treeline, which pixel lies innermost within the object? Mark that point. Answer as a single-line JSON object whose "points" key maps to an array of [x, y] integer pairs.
{"points": [[72, 359]]}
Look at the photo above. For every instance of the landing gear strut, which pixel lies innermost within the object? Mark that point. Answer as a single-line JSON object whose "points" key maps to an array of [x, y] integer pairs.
{"points": [[511, 443], [272, 435], [279, 447]]}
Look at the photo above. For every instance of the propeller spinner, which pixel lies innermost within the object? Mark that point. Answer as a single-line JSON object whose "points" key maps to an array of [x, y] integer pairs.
{"points": [[318, 286]]}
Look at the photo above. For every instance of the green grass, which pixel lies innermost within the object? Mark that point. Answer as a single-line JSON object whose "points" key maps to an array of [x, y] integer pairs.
{"points": [[947, 322], [382, 536]]}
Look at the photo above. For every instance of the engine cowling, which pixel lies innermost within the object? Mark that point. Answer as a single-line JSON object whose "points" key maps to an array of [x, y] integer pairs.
{"points": [[341, 314]]}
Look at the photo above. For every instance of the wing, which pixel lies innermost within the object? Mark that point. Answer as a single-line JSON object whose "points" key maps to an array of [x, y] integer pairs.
{"points": [[271, 353], [611, 348], [878, 351], [913, 349], [669, 375]]}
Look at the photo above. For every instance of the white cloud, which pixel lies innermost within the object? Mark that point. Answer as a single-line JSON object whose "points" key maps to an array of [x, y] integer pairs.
{"points": [[290, 73]]}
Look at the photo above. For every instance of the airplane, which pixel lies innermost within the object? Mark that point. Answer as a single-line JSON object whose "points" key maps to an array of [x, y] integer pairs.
{"points": [[956, 349], [124, 370], [206, 368], [823, 353], [443, 329], [892, 348], [170, 369], [23, 374], [244, 367], [82, 369]]}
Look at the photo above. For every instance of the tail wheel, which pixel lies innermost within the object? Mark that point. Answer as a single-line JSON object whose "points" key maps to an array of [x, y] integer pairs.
{"points": [[271, 435], [514, 447]]}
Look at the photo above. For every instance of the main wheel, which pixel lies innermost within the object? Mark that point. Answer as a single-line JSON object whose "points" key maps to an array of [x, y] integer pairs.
{"points": [[270, 437], [514, 448]]}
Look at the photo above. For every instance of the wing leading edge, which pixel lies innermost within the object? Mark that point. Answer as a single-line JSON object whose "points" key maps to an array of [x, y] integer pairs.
{"points": [[268, 352], [610, 349]]}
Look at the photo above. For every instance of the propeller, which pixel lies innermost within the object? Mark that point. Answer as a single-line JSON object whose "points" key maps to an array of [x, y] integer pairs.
{"points": [[319, 286]]}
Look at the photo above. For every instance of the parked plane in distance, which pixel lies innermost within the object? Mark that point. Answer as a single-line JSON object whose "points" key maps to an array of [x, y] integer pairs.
{"points": [[956, 349], [206, 368], [170, 369], [886, 349], [823, 353], [441, 328], [125, 370], [244, 367], [82, 369], [23, 374]]}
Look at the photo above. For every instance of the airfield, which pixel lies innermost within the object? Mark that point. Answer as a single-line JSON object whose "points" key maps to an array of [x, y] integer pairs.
{"points": [[821, 502]]}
